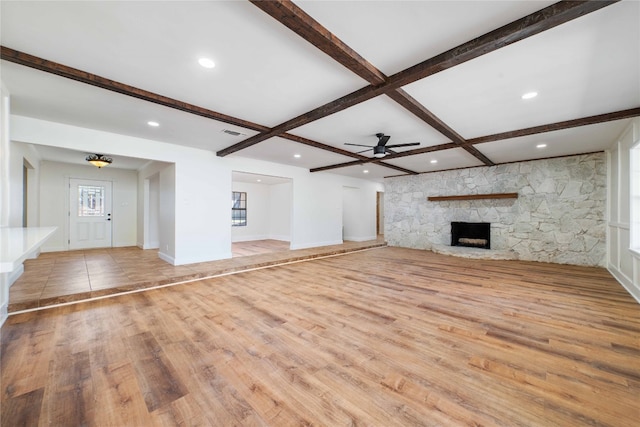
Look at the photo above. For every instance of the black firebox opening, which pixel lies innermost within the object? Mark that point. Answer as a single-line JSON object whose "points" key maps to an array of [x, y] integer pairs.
{"points": [[472, 234]]}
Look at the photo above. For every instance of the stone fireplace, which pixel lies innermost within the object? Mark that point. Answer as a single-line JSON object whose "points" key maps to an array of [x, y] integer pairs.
{"points": [[471, 234]]}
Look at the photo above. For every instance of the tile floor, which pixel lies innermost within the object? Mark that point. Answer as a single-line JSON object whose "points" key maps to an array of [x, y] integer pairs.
{"points": [[59, 277]]}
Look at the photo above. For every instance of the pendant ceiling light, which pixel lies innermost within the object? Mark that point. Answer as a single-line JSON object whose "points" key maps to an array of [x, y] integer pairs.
{"points": [[99, 160]]}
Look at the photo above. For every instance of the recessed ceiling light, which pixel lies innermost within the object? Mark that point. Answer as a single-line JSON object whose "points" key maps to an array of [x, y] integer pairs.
{"points": [[529, 95], [297, 156], [153, 124], [434, 161], [365, 171], [206, 62], [541, 145], [259, 180]]}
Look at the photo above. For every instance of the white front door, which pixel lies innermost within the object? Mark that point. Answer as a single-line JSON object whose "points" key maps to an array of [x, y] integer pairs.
{"points": [[90, 218]]}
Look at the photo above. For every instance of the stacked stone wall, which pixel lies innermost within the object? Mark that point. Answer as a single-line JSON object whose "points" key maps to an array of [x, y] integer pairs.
{"points": [[559, 215]]}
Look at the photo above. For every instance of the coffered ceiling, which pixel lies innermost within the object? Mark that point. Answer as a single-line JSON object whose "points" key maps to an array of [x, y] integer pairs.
{"points": [[304, 78]]}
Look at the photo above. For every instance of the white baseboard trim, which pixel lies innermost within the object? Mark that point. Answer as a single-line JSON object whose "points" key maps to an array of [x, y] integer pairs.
{"points": [[152, 245], [316, 244], [281, 237], [625, 282], [167, 258], [237, 239]]}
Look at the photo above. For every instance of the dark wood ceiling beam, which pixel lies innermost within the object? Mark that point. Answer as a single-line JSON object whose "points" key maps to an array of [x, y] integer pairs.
{"points": [[61, 70], [294, 18], [298, 21], [417, 109], [567, 124], [518, 30], [31, 61], [535, 23]]}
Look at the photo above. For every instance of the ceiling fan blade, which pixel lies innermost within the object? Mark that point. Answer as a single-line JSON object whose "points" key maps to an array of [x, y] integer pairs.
{"points": [[388, 150], [409, 144], [382, 139], [358, 145], [364, 151]]}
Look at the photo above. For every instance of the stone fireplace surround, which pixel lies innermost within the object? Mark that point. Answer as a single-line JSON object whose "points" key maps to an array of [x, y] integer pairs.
{"points": [[559, 215]]}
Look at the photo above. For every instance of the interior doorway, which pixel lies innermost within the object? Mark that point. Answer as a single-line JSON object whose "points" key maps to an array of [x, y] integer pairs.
{"points": [[380, 213]]}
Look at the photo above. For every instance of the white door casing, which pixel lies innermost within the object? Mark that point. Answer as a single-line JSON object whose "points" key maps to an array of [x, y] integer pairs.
{"points": [[90, 220]]}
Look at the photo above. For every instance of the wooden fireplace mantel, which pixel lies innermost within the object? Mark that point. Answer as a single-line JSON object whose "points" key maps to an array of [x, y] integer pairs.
{"points": [[474, 197]]}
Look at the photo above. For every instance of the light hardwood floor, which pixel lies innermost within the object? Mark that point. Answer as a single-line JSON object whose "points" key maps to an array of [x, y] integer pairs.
{"points": [[384, 337], [60, 277]]}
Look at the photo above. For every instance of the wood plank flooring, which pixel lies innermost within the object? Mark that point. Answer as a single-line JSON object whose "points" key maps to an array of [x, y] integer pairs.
{"points": [[384, 337], [59, 277]]}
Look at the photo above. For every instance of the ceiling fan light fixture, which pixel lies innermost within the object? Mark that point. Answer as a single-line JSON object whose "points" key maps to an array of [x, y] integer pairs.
{"points": [[99, 160]]}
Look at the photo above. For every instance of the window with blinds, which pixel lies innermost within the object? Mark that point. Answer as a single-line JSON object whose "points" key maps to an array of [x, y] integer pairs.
{"points": [[238, 209]]}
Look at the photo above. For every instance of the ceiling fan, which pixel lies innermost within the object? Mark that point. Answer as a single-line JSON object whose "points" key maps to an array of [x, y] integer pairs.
{"points": [[382, 149]]}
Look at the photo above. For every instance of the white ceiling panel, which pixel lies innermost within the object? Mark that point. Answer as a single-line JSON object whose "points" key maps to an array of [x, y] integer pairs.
{"points": [[585, 139], [570, 66], [280, 150], [48, 97], [445, 159], [268, 74], [394, 35], [65, 155], [373, 172], [155, 45]]}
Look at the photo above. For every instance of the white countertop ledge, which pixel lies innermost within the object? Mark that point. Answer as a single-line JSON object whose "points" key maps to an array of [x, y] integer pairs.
{"points": [[18, 244]]}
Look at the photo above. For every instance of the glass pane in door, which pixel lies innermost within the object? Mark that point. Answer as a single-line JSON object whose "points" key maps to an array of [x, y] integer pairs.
{"points": [[90, 200]]}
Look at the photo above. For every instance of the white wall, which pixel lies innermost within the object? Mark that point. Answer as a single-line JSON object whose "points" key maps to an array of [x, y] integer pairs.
{"points": [[316, 216], [167, 214], [152, 221], [4, 191], [623, 260], [280, 207], [54, 201], [202, 181], [202, 188], [268, 212], [358, 224], [4, 155], [148, 220]]}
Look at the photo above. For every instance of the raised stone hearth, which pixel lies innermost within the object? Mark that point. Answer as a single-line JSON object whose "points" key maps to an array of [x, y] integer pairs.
{"points": [[474, 253], [559, 215]]}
